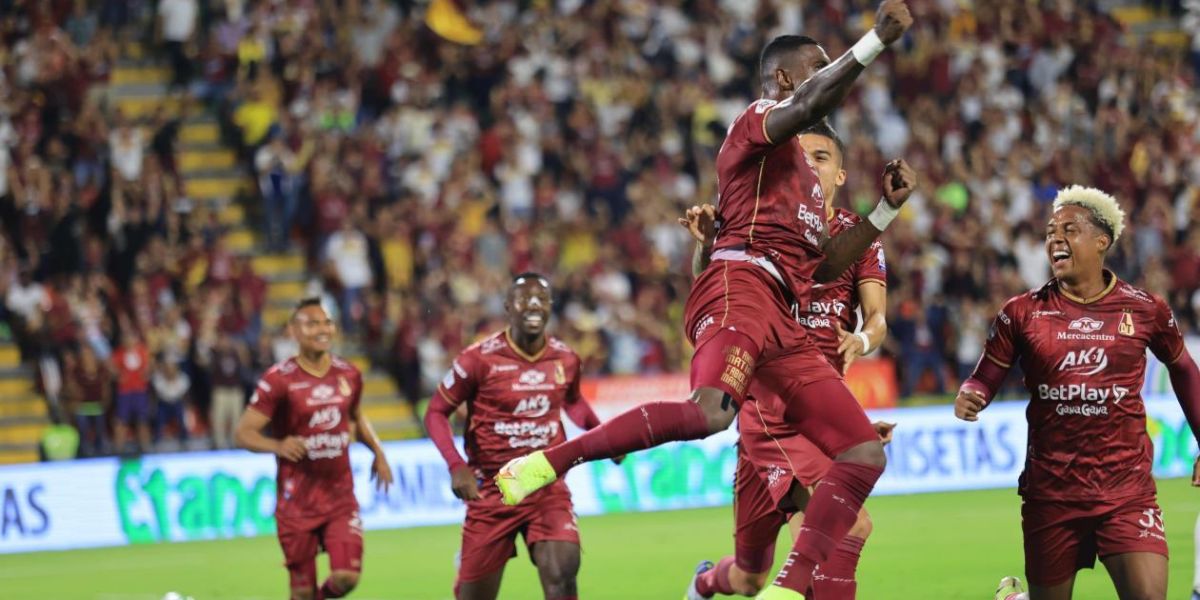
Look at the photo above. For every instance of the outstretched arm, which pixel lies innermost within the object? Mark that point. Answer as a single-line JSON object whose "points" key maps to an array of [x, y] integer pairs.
{"points": [[817, 96], [841, 250]]}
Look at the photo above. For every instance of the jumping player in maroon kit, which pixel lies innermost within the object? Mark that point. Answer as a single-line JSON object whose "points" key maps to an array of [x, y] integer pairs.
{"points": [[1081, 340], [772, 245], [311, 403], [515, 384], [776, 467]]}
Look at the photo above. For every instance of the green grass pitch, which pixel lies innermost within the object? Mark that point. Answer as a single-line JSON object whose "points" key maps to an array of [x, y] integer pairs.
{"points": [[935, 546]]}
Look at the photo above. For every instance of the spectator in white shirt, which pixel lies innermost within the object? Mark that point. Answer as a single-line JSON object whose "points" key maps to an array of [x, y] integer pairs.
{"points": [[177, 19], [348, 255], [171, 386]]}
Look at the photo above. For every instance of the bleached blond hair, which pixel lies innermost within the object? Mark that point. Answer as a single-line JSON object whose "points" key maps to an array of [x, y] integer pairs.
{"points": [[1104, 208]]}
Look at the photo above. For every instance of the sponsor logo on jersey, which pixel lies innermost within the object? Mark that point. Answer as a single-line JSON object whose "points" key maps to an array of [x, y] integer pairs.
{"points": [[815, 322], [1084, 362], [491, 345], [1085, 325], [882, 261], [448, 379], [1133, 292], [458, 369], [532, 380], [533, 407], [1004, 318], [527, 434], [703, 325], [327, 445], [775, 473], [323, 394], [1037, 314], [503, 368], [532, 377], [1126, 326], [303, 385], [560, 374], [817, 196], [825, 308], [326, 418], [264, 386], [1082, 392]]}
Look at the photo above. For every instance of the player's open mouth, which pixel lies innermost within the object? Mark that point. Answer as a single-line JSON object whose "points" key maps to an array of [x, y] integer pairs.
{"points": [[534, 319], [1059, 258]]}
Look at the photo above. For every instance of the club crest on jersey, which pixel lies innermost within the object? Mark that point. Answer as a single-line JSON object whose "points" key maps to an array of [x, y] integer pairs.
{"points": [[1085, 325], [1126, 326], [560, 374], [344, 386]]}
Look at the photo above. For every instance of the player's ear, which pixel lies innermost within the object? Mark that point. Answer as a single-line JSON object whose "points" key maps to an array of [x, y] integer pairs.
{"points": [[783, 80], [841, 178]]}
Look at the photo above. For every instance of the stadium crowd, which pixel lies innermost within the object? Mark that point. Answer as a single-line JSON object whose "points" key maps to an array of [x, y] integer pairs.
{"points": [[417, 173]]}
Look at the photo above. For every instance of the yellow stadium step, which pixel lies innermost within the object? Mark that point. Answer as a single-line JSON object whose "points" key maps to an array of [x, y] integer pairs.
{"points": [[23, 406], [274, 316], [240, 241], [140, 75], [1177, 40], [1133, 15], [139, 107], [380, 386], [200, 133], [232, 215], [289, 291], [15, 457], [278, 264], [215, 187], [206, 160], [133, 49], [10, 356], [15, 386], [379, 412], [22, 434]]}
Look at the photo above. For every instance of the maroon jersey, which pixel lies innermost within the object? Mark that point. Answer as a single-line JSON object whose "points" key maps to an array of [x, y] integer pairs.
{"points": [[837, 302], [1084, 362], [318, 409], [769, 201], [514, 400], [831, 303]]}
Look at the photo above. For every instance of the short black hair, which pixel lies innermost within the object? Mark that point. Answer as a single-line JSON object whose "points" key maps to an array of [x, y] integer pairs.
{"points": [[823, 128], [305, 303], [777, 48]]}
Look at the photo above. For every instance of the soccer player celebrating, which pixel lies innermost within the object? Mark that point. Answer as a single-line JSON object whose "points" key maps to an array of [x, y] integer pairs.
{"points": [[515, 384], [311, 402], [776, 466], [1081, 340], [772, 244]]}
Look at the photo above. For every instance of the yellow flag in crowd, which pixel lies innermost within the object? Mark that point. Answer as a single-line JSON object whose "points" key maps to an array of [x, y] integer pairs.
{"points": [[446, 20]]}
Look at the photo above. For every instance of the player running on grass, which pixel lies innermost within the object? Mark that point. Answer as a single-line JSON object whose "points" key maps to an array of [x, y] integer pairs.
{"points": [[311, 402], [515, 385], [1081, 340], [772, 245], [776, 467]]}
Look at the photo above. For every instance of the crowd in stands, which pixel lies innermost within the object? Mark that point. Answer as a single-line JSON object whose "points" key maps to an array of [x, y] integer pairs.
{"points": [[417, 173]]}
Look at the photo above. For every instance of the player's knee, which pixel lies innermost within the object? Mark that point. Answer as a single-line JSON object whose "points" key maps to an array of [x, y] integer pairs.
{"points": [[863, 526], [867, 453], [345, 580], [719, 409], [303, 594]]}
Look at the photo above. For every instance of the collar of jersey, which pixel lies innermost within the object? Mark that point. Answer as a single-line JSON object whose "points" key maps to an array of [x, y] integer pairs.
{"points": [[521, 353], [1112, 283]]}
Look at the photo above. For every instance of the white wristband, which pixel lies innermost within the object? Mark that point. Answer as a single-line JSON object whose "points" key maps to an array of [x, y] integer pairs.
{"points": [[883, 215], [862, 335], [867, 48]]}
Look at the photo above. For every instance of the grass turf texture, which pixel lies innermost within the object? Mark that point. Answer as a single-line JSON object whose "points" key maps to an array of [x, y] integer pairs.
{"points": [[953, 545]]}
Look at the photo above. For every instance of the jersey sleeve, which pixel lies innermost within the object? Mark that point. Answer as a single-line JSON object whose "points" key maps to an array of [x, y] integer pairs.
{"points": [[748, 133], [871, 266], [356, 398], [461, 380], [269, 394], [1167, 340], [1001, 346]]}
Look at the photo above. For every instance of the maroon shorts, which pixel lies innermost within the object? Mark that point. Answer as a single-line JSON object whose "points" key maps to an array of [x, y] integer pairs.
{"points": [[491, 528], [767, 470], [339, 534], [739, 320], [1064, 537]]}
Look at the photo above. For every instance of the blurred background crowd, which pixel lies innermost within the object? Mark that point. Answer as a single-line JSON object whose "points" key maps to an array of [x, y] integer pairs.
{"points": [[411, 156]]}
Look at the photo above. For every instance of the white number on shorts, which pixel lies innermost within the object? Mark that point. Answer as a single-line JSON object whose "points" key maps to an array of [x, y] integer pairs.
{"points": [[1153, 520]]}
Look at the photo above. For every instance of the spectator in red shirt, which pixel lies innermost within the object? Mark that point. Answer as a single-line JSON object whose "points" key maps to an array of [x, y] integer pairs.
{"points": [[131, 363]]}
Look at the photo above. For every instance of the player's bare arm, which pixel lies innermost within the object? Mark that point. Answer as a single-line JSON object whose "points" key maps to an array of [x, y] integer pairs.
{"points": [[437, 425], [899, 182], [873, 301], [701, 222], [817, 96], [381, 471], [249, 435]]}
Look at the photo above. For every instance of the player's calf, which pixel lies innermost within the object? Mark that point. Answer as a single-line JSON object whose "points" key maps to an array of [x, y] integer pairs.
{"points": [[339, 584]]}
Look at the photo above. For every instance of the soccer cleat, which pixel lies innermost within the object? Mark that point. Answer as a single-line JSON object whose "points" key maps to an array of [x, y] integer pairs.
{"points": [[520, 477], [1011, 588], [1195, 594], [774, 592], [692, 594]]}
